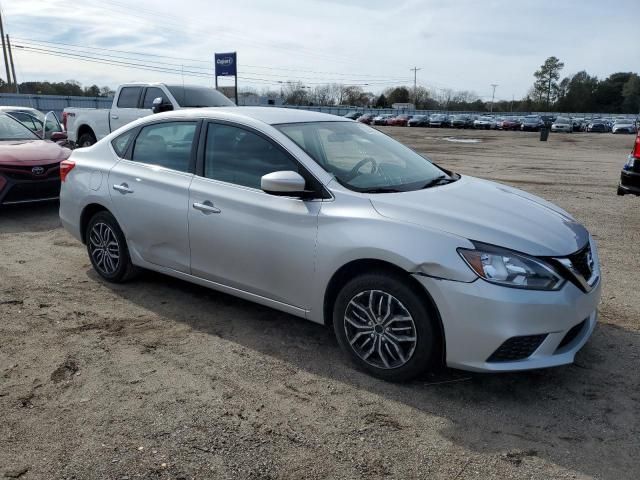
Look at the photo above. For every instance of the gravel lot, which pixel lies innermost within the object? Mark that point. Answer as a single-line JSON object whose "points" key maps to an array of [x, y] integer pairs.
{"points": [[162, 379]]}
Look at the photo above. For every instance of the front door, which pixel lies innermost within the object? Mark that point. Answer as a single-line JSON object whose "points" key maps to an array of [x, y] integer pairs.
{"points": [[242, 237], [150, 193]]}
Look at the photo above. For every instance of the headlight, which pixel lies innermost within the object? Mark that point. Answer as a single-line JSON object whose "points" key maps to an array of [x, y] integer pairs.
{"points": [[631, 161], [510, 269]]}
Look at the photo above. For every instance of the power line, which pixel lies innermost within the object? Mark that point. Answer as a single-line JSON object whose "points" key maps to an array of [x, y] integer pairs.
{"points": [[361, 76], [173, 68], [176, 70]]}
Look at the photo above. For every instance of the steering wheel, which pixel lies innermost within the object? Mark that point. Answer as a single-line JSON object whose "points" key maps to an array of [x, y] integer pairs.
{"points": [[355, 171]]}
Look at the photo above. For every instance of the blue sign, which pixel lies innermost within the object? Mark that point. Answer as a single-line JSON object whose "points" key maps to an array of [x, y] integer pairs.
{"points": [[226, 64]]}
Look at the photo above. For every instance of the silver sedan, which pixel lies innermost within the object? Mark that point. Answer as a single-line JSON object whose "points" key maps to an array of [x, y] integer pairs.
{"points": [[328, 219]]}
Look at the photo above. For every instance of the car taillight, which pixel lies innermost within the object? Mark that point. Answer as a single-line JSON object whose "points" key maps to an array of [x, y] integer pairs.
{"points": [[65, 167], [636, 147]]}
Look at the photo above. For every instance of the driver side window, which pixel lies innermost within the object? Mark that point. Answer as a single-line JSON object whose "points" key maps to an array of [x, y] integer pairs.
{"points": [[239, 156]]}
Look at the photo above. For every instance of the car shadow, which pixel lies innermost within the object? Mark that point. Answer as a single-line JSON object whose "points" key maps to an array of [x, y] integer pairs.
{"points": [[574, 416], [29, 217]]}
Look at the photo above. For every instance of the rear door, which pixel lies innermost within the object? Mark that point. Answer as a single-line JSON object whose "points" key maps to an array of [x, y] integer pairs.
{"points": [[150, 192], [127, 108]]}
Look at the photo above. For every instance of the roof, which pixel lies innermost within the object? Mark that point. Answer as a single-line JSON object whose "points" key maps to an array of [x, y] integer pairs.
{"points": [[268, 115]]}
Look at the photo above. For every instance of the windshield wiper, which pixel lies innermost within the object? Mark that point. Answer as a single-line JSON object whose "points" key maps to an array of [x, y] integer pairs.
{"points": [[441, 180], [381, 190]]}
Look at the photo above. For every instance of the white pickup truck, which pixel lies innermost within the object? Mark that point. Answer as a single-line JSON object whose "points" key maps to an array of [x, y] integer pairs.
{"points": [[85, 126]]}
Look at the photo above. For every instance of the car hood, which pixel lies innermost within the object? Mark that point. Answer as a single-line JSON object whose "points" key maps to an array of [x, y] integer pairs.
{"points": [[488, 212], [31, 152]]}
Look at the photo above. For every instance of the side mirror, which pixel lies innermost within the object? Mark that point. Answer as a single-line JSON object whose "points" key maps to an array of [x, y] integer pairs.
{"points": [[159, 105], [58, 136], [285, 183]]}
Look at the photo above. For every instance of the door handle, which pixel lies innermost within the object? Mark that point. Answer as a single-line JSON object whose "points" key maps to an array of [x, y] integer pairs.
{"points": [[206, 207], [115, 117], [122, 188]]}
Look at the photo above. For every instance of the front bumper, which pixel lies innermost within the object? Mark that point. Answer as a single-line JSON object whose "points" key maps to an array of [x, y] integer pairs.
{"points": [[480, 318], [19, 185]]}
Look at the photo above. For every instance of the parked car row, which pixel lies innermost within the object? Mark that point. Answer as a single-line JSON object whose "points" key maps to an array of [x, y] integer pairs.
{"points": [[528, 123]]}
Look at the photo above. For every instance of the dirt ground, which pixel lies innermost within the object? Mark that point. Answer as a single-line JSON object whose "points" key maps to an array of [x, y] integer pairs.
{"points": [[162, 379]]}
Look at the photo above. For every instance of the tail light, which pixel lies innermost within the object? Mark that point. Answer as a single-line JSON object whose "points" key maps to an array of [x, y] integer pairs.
{"points": [[636, 147], [65, 167]]}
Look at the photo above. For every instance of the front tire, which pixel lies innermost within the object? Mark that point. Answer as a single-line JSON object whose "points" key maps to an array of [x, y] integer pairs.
{"points": [[108, 250], [385, 327]]}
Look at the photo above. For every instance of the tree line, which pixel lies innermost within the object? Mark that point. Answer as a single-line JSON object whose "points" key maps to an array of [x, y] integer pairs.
{"points": [[575, 93], [68, 88], [578, 92], [581, 92]]}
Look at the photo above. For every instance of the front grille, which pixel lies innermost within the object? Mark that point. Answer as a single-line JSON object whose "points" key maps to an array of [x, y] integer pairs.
{"points": [[26, 173], [517, 348], [27, 191], [572, 334], [582, 262]]}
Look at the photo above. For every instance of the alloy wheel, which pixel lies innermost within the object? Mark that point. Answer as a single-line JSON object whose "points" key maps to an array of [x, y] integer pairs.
{"points": [[104, 248], [380, 329]]}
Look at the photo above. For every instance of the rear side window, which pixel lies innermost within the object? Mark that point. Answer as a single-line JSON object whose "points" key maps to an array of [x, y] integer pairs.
{"points": [[129, 97], [121, 142], [166, 145], [238, 156], [151, 94]]}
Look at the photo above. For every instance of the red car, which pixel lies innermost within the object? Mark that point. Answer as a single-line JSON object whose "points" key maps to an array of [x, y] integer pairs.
{"points": [[399, 121], [29, 166], [367, 118], [510, 124]]}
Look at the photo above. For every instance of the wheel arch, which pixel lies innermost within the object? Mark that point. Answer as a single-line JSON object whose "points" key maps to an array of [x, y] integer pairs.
{"points": [[364, 265], [354, 268], [87, 214], [84, 128]]}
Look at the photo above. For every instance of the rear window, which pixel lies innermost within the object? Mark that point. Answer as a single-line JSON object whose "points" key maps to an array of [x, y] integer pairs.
{"points": [[129, 97], [195, 97]]}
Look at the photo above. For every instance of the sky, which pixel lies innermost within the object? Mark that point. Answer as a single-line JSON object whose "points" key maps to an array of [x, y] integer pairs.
{"points": [[459, 44]]}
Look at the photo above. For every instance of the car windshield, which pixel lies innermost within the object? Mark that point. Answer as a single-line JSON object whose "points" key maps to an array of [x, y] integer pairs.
{"points": [[362, 158], [622, 120], [11, 129], [562, 120], [194, 97]]}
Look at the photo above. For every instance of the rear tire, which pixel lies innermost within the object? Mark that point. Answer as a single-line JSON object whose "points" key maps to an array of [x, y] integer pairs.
{"points": [[108, 249], [385, 327], [86, 140], [621, 192]]}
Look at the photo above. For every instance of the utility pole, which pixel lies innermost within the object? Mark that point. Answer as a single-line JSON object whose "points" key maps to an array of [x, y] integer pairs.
{"points": [[13, 69], [493, 95], [4, 51], [415, 84]]}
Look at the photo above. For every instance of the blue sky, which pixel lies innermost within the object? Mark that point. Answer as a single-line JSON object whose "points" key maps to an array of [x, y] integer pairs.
{"points": [[462, 44]]}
